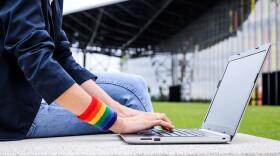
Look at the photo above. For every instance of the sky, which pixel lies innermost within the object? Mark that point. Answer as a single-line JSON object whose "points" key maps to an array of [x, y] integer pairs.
{"points": [[71, 6]]}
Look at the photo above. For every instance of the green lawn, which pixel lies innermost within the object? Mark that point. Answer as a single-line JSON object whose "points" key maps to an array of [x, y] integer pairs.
{"points": [[261, 121]]}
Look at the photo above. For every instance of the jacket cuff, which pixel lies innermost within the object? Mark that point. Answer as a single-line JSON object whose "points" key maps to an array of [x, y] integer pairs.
{"points": [[78, 73]]}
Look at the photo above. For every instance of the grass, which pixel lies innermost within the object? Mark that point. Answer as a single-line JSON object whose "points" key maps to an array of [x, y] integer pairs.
{"points": [[263, 121]]}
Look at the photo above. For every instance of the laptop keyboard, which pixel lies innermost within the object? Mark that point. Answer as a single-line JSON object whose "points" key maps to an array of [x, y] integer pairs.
{"points": [[175, 133]]}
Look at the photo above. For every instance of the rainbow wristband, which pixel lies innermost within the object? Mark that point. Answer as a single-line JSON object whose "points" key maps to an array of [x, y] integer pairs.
{"points": [[99, 115]]}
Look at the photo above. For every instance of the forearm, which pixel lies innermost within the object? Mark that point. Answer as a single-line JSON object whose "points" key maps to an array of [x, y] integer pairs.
{"points": [[74, 99], [94, 90], [89, 109]]}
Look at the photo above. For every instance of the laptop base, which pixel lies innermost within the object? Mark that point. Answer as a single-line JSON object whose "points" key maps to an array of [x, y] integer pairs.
{"points": [[148, 137]]}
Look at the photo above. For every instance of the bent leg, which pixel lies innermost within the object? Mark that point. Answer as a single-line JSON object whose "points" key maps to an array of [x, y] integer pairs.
{"points": [[128, 89]]}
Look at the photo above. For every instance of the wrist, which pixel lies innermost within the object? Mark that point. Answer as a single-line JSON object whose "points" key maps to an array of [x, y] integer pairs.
{"points": [[120, 109], [99, 115], [114, 104], [117, 127], [124, 111]]}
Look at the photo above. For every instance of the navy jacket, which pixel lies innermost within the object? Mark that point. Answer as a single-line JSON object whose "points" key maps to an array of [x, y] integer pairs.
{"points": [[35, 62]]}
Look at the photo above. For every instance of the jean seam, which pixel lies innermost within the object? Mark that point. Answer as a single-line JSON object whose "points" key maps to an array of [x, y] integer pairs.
{"points": [[126, 86], [31, 130]]}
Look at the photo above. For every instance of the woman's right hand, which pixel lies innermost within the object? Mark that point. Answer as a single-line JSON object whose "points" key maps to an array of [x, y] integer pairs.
{"points": [[139, 123]]}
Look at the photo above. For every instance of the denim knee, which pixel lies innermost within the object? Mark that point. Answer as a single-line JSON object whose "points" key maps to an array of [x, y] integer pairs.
{"points": [[132, 89], [141, 87], [140, 84]]}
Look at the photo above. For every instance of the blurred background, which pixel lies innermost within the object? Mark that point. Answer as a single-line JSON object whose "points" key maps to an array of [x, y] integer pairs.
{"points": [[180, 47]]}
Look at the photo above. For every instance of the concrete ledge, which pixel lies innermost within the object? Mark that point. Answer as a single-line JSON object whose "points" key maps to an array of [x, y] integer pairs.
{"points": [[111, 144]]}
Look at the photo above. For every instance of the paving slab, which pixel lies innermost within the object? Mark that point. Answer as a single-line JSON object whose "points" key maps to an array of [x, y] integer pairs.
{"points": [[111, 144]]}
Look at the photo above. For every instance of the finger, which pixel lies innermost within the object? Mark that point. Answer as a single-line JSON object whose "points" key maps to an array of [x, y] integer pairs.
{"points": [[132, 125], [161, 123], [164, 117], [151, 117], [155, 116], [168, 129]]}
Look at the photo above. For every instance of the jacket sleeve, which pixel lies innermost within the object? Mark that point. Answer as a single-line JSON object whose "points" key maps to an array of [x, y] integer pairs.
{"points": [[63, 55], [33, 48]]}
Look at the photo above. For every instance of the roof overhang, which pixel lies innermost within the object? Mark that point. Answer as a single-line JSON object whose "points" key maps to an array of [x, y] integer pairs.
{"points": [[72, 6]]}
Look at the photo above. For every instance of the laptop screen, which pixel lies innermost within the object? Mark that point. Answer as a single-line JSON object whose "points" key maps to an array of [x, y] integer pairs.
{"points": [[234, 91]]}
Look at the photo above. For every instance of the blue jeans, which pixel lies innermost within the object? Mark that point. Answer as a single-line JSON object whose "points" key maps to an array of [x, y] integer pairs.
{"points": [[53, 120]]}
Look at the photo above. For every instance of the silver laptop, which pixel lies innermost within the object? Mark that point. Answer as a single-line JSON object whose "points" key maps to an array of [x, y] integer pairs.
{"points": [[227, 106]]}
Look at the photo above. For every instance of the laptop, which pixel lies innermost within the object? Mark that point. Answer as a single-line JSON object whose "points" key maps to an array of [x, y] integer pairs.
{"points": [[226, 109]]}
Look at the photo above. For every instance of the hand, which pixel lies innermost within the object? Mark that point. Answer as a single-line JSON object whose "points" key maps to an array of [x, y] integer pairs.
{"points": [[156, 116], [124, 111], [138, 123]]}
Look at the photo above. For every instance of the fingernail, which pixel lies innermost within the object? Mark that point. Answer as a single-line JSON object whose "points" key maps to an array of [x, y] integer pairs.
{"points": [[173, 126]]}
